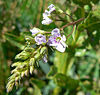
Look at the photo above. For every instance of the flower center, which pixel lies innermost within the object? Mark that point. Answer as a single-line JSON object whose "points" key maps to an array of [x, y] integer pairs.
{"points": [[58, 39]]}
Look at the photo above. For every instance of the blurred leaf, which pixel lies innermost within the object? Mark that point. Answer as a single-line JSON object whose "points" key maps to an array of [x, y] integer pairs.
{"points": [[13, 41], [52, 72], [37, 91], [39, 83], [80, 52], [65, 81], [84, 2]]}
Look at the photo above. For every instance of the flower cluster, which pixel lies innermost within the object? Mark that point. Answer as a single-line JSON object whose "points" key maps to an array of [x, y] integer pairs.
{"points": [[47, 15], [55, 39]]}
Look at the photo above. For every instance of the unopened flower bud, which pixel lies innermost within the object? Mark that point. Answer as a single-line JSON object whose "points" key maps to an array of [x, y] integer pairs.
{"points": [[32, 61], [43, 50], [22, 56], [31, 69], [37, 56]]}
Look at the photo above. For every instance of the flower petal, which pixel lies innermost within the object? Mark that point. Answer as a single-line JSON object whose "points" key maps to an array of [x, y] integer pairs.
{"points": [[34, 31], [55, 31], [60, 47], [51, 8], [63, 38], [40, 39]]}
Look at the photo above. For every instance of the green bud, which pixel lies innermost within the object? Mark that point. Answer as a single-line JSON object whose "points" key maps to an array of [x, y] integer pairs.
{"points": [[26, 72], [29, 39], [31, 69], [22, 56], [22, 74], [16, 84], [32, 61], [29, 49], [16, 64], [10, 87], [13, 71], [58, 10], [43, 50], [37, 56]]}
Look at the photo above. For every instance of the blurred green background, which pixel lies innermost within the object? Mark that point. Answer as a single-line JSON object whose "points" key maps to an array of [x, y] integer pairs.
{"points": [[18, 16]]}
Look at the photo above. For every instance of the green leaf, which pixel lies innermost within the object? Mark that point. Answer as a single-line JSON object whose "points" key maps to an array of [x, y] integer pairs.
{"points": [[13, 41], [39, 83], [52, 72], [66, 81]]}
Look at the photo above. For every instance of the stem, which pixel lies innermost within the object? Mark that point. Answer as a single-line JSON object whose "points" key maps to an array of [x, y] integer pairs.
{"points": [[56, 91], [68, 64], [69, 16], [71, 32], [72, 23]]}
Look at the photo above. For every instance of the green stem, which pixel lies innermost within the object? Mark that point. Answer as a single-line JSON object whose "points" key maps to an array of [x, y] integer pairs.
{"points": [[56, 90], [67, 66], [69, 63]]}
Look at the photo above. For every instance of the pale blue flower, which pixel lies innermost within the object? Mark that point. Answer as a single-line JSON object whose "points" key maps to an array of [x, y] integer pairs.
{"points": [[46, 15], [34, 31], [40, 39], [55, 31], [46, 21], [57, 41], [51, 8]]}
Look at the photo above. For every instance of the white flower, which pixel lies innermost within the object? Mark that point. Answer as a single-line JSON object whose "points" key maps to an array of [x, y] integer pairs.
{"points": [[47, 14], [55, 31], [34, 31], [46, 21], [57, 40], [51, 8], [40, 39]]}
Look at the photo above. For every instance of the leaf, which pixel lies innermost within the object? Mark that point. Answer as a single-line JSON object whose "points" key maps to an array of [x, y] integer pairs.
{"points": [[66, 81], [92, 24], [37, 91], [13, 41], [52, 72], [80, 52], [39, 83], [84, 2]]}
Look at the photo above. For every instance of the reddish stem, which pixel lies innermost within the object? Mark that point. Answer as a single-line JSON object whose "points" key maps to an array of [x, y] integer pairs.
{"points": [[72, 23]]}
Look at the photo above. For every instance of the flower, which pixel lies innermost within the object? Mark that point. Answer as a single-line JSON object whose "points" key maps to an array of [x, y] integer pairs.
{"points": [[34, 31], [57, 40], [55, 31], [51, 8], [40, 39], [46, 21], [47, 14]]}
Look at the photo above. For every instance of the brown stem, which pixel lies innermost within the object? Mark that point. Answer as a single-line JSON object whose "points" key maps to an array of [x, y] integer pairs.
{"points": [[69, 16], [72, 31], [72, 23]]}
